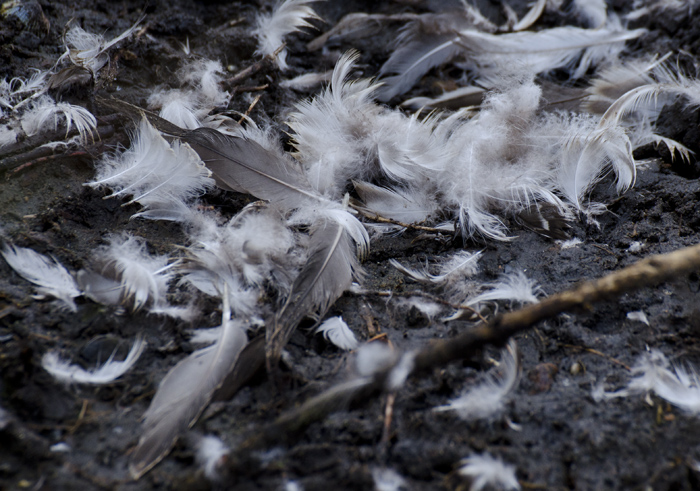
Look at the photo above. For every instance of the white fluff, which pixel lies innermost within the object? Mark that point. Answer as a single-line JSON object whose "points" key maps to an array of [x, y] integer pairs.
{"points": [[638, 315], [487, 399], [51, 278], [160, 176], [653, 372], [143, 277], [90, 50], [47, 112], [287, 17], [387, 480], [337, 332], [110, 371], [514, 287], [486, 471], [243, 254], [210, 452], [455, 269]]}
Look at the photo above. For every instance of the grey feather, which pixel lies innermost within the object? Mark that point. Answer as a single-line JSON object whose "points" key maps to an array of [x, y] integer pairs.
{"points": [[327, 274], [240, 164], [185, 392]]}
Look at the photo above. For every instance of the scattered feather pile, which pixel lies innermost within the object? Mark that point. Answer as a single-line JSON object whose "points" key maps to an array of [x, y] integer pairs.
{"points": [[110, 371]]}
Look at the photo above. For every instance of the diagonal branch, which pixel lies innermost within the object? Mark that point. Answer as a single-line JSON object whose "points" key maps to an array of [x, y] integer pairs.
{"points": [[645, 273]]}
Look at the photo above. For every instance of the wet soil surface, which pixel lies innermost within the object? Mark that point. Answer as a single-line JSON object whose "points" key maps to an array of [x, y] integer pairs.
{"points": [[552, 431]]}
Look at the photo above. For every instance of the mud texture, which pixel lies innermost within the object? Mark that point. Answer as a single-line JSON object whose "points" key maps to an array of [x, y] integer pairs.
{"points": [[552, 431]]}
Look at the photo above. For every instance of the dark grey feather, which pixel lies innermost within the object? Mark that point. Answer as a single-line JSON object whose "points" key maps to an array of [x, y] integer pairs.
{"points": [[326, 275], [184, 393], [243, 165]]}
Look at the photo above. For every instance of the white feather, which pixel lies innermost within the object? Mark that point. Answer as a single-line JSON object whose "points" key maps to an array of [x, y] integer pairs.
{"points": [[337, 332], [546, 50], [487, 399], [452, 270], [514, 287], [653, 372], [47, 112], [51, 278], [210, 454], [110, 371], [287, 17], [388, 480], [487, 472], [143, 277], [90, 50], [159, 175]]}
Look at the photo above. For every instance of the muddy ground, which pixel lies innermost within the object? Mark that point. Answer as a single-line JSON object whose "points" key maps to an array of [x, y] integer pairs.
{"points": [[559, 437]]}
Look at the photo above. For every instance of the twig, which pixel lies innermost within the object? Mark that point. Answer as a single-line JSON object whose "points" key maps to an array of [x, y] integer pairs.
{"points": [[647, 272], [411, 226], [255, 67], [250, 108]]}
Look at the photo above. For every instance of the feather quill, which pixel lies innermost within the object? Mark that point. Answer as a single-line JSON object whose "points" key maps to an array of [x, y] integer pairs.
{"points": [[51, 278], [185, 392], [107, 373], [327, 274]]}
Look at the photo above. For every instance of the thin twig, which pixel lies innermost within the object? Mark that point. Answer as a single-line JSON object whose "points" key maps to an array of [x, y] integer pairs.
{"points": [[647, 272], [255, 67], [411, 226], [250, 108]]}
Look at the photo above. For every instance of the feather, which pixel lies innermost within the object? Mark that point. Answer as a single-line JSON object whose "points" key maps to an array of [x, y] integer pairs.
{"points": [[487, 399], [337, 332], [46, 111], [638, 315], [531, 16], [250, 250], [185, 392], [514, 287], [545, 50], [427, 42], [326, 275], [388, 480], [307, 81], [243, 165], [143, 277], [594, 12], [51, 278], [107, 373], [454, 99], [100, 289], [614, 81], [586, 155], [455, 269], [487, 472], [89, 50], [211, 452], [357, 25], [159, 175], [405, 205], [287, 17]]}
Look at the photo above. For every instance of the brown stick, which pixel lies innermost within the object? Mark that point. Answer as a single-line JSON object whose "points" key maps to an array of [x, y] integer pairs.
{"points": [[645, 273]]}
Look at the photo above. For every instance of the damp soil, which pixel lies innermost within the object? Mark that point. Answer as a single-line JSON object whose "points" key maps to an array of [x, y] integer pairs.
{"points": [[54, 436]]}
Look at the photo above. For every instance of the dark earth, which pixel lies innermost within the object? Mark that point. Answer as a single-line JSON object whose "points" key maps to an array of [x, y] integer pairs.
{"points": [[558, 437]]}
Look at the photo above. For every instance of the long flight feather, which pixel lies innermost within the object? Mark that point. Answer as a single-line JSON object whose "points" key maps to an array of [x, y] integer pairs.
{"points": [[185, 392]]}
